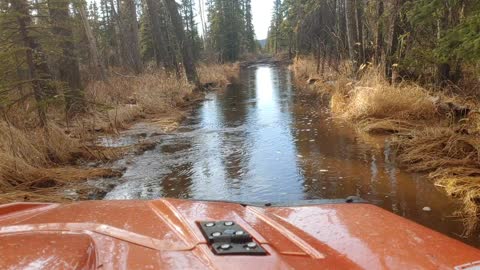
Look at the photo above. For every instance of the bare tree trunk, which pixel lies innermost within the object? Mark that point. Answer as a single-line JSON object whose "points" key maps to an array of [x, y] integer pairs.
{"points": [[360, 37], [185, 46], [202, 21], [443, 68], [394, 34], [170, 41], [290, 52], [131, 44], [92, 43], [379, 34], [337, 30], [68, 65], [38, 71], [117, 34], [160, 46], [324, 59], [318, 55], [351, 33]]}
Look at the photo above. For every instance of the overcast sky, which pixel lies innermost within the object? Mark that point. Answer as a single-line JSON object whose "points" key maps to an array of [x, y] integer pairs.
{"points": [[261, 11], [262, 14]]}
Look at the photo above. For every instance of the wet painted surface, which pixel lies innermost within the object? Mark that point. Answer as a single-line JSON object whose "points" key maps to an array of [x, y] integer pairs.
{"points": [[164, 234], [260, 141]]}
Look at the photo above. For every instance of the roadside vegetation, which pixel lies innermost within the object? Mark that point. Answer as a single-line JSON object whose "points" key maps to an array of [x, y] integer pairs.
{"points": [[408, 69]]}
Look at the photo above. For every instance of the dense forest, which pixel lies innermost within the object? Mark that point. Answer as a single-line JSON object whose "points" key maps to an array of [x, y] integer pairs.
{"points": [[432, 42]]}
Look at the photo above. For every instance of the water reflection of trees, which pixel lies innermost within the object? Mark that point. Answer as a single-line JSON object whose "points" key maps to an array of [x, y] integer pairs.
{"points": [[233, 105], [363, 166]]}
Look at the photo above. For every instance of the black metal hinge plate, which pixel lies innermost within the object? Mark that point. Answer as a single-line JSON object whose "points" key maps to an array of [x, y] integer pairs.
{"points": [[229, 238]]}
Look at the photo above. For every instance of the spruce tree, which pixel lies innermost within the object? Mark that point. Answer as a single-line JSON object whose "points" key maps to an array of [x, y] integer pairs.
{"points": [[191, 30]]}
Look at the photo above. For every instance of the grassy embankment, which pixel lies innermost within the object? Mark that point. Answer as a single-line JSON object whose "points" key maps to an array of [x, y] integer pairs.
{"points": [[41, 164], [435, 133]]}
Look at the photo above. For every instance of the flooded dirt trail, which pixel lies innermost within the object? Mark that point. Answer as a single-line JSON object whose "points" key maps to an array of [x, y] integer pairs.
{"points": [[260, 141]]}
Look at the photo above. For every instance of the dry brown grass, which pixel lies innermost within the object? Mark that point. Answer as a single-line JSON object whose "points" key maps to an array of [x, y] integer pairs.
{"points": [[370, 98], [307, 78], [382, 101], [126, 99], [429, 149], [385, 126], [304, 68], [29, 161], [452, 159], [218, 75], [26, 183], [372, 103], [38, 147], [465, 187]]}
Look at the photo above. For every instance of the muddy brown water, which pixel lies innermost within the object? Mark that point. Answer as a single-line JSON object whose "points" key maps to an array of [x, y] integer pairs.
{"points": [[261, 141]]}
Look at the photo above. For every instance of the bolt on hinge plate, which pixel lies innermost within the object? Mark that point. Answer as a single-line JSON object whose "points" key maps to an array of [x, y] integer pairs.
{"points": [[228, 238]]}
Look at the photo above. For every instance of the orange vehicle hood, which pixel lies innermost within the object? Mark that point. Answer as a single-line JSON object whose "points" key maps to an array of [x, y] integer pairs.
{"points": [[164, 234]]}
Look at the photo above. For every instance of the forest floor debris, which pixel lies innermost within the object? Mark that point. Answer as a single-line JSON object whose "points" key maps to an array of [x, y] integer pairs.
{"points": [[433, 132], [51, 164]]}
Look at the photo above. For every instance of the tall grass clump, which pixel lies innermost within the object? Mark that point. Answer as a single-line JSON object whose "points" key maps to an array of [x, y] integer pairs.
{"points": [[304, 68], [125, 99], [30, 160], [379, 100], [370, 97], [217, 76], [451, 156]]}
